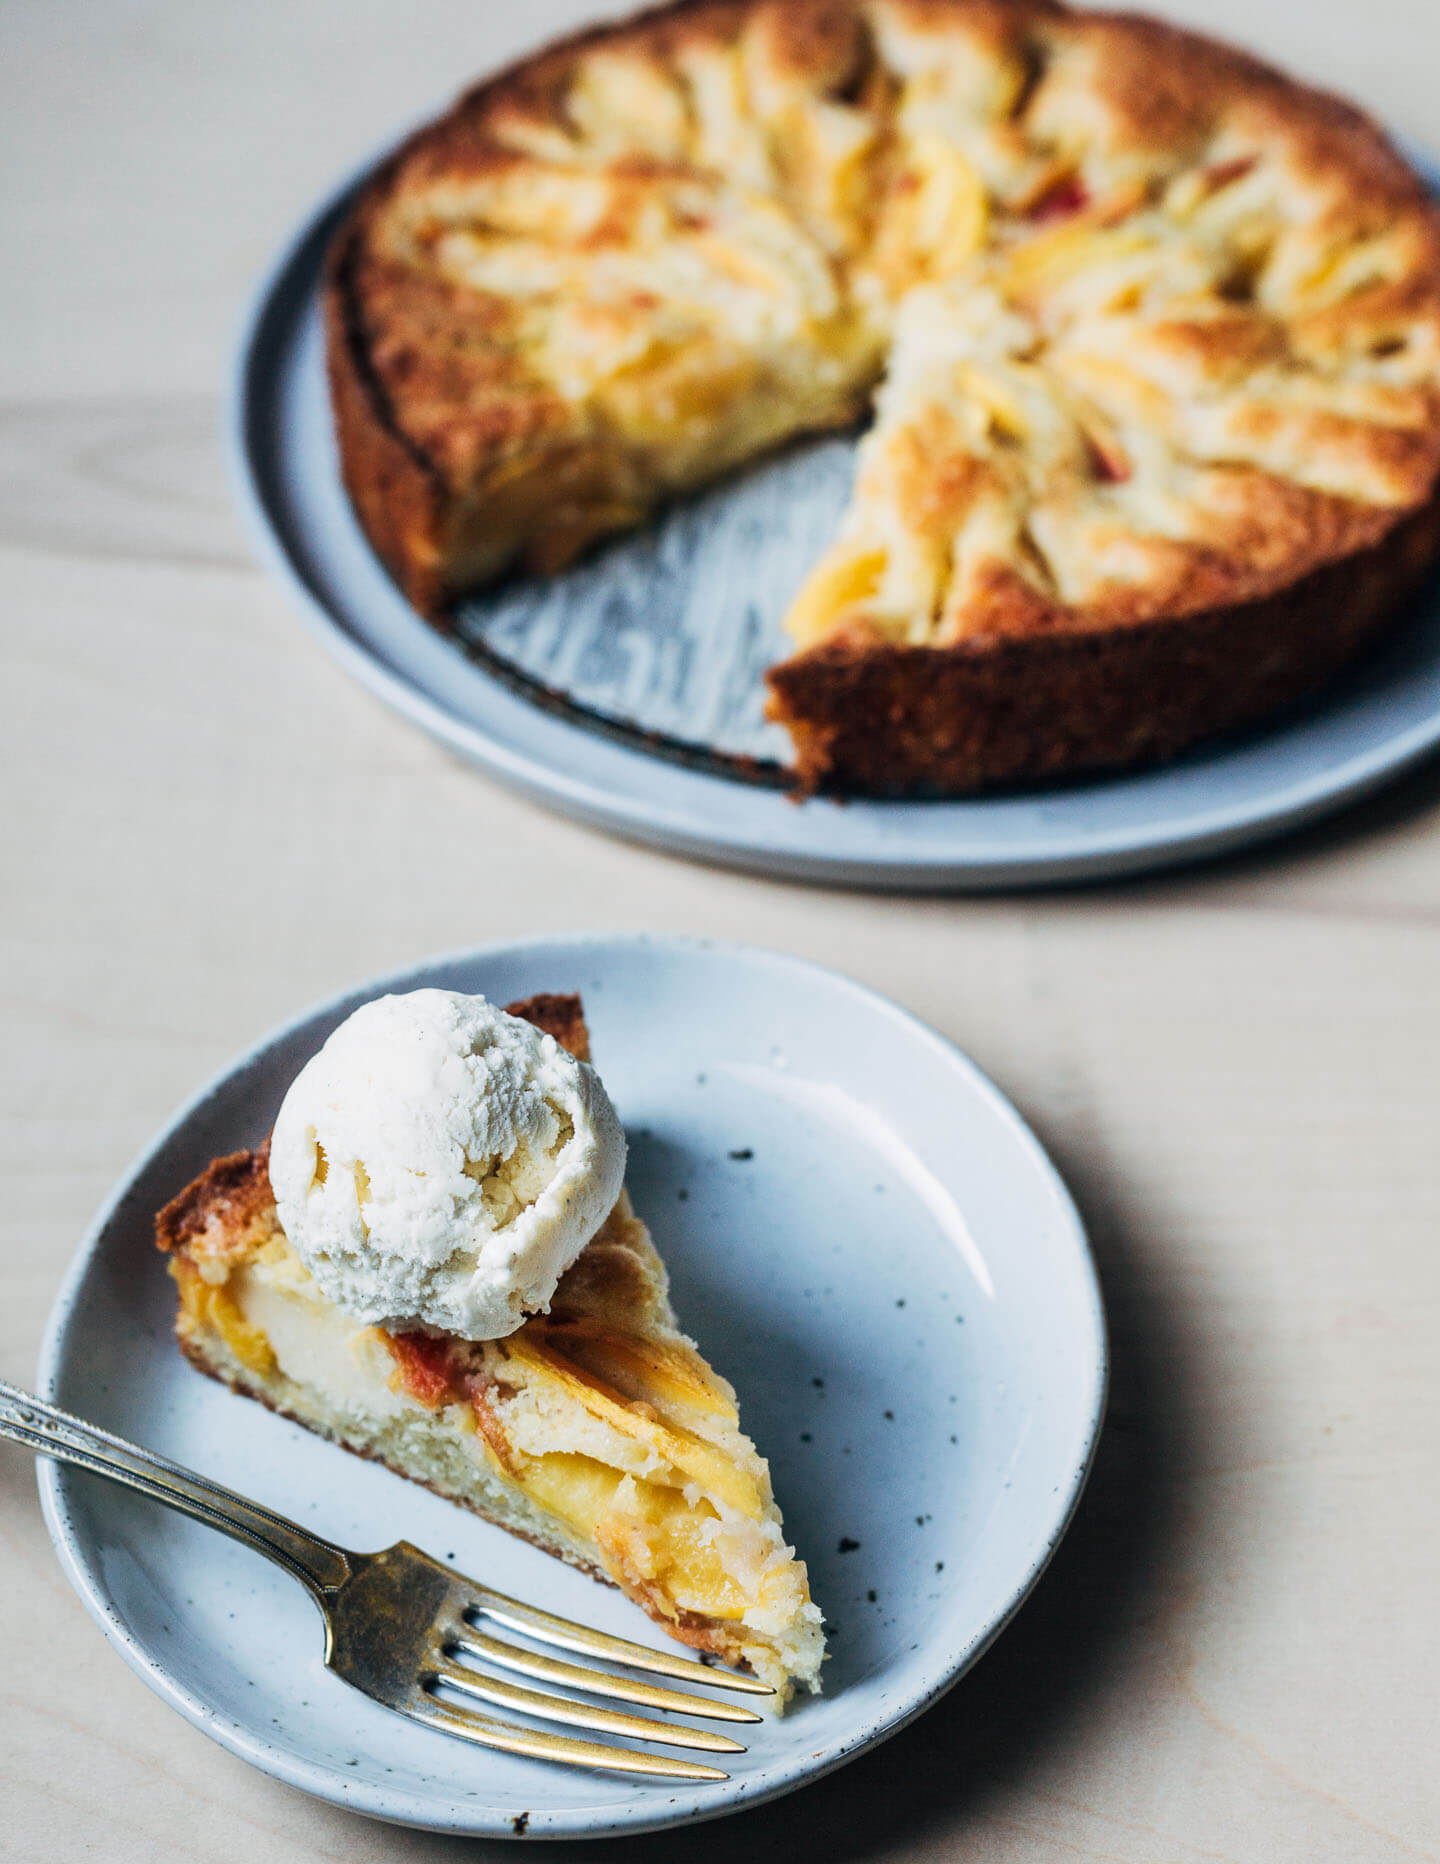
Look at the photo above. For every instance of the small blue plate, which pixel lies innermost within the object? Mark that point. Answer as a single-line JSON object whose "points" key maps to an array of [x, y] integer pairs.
{"points": [[861, 1233]]}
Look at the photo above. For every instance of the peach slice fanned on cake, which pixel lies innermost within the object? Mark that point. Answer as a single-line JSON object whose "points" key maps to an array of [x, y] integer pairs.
{"points": [[595, 1430]]}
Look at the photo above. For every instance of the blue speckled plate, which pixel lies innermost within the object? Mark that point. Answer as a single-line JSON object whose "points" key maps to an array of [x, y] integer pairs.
{"points": [[628, 691], [861, 1233]]}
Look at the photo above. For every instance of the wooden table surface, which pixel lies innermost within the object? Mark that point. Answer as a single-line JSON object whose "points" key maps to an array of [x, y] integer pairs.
{"points": [[1236, 1655]]}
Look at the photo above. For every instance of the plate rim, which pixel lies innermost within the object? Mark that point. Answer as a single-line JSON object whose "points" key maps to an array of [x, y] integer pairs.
{"points": [[324, 1783], [1047, 858]]}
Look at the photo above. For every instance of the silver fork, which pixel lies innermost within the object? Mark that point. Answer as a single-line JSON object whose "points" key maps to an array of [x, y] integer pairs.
{"points": [[406, 1630]]}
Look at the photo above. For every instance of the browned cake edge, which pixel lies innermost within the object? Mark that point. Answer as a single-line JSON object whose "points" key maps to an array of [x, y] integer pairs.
{"points": [[399, 492], [878, 719], [398, 495]]}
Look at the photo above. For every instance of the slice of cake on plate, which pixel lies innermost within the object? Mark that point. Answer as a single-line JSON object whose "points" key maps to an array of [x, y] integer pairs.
{"points": [[593, 1428]]}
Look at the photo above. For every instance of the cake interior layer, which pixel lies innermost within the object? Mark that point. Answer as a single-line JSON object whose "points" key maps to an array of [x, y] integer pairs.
{"points": [[658, 1494]]}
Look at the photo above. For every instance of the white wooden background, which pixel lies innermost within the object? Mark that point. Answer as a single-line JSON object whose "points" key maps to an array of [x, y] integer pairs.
{"points": [[204, 826]]}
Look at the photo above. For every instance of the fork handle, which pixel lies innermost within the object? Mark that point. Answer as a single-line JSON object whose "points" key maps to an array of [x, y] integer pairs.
{"points": [[52, 1432]]}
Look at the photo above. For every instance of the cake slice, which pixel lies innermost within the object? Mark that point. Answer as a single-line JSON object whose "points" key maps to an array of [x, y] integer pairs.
{"points": [[597, 1431]]}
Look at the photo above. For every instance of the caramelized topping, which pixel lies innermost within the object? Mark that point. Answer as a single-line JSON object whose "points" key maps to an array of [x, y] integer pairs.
{"points": [[423, 1368], [1066, 197]]}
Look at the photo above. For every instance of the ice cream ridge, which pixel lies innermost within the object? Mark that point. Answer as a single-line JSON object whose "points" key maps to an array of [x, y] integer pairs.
{"points": [[438, 1164]]}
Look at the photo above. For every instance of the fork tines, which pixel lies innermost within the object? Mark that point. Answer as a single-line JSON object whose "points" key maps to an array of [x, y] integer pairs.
{"points": [[467, 1641]]}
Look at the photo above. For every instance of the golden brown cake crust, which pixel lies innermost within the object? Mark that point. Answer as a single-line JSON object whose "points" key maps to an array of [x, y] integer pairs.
{"points": [[232, 1193], [560, 1015], [394, 487], [1001, 710], [1216, 639]]}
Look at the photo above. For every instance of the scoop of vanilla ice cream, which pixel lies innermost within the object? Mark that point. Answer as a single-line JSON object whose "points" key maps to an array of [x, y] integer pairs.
{"points": [[441, 1164]]}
